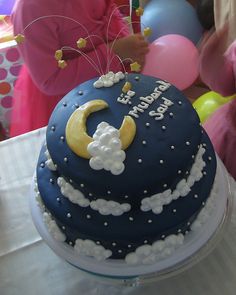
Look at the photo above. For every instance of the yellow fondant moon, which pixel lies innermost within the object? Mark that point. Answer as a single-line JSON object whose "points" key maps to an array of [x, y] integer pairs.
{"points": [[127, 132], [76, 131]]}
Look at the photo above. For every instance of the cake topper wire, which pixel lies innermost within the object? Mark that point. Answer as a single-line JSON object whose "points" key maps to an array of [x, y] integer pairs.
{"points": [[96, 66]]}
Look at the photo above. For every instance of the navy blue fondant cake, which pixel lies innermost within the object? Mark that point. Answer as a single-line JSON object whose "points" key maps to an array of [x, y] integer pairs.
{"points": [[125, 170]]}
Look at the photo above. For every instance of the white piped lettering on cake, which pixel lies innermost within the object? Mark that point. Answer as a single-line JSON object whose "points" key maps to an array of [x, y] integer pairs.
{"points": [[149, 99], [160, 111]]}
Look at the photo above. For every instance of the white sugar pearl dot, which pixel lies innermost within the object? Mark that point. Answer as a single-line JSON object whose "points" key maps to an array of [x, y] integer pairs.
{"points": [[90, 194], [62, 138], [161, 161], [63, 227], [147, 124], [179, 230], [80, 92], [82, 185], [171, 114], [140, 161], [126, 197], [114, 244], [172, 147], [174, 210], [58, 199], [105, 223], [179, 171], [180, 102], [144, 142], [53, 128], [145, 191], [51, 180], [68, 215], [187, 143], [163, 236], [120, 251], [209, 158], [88, 216], [149, 221], [145, 242], [165, 185], [65, 160], [70, 243], [188, 223], [195, 196], [131, 218], [163, 127], [129, 246]]}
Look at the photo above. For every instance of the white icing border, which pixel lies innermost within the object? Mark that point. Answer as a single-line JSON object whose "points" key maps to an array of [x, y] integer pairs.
{"points": [[154, 202], [104, 207], [145, 254], [157, 201]]}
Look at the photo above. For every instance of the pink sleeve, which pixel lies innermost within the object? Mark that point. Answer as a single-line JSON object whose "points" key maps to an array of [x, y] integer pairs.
{"points": [[39, 48], [219, 73]]}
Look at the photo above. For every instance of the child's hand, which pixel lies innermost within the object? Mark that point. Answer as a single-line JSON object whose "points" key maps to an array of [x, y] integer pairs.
{"points": [[131, 48]]}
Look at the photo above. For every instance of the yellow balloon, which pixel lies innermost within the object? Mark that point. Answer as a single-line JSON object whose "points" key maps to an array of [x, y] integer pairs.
{"points": [[209, 102]]}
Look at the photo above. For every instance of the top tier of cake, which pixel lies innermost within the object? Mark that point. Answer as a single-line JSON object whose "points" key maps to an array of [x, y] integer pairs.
{"points": [[163, 150]]}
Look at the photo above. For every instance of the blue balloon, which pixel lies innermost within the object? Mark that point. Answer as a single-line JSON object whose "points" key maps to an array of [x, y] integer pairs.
{"points": [[6, 6], [171, 17]]}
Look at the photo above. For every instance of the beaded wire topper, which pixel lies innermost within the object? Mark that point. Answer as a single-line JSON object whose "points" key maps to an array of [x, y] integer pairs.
{"points": [[82, 43]]}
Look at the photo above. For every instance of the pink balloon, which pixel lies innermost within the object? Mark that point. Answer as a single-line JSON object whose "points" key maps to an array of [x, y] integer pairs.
{"points": [[173, 58]]}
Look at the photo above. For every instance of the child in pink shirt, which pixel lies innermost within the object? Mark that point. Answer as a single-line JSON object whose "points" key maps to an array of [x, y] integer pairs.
{"points": [[218, 71], [49, 25]]}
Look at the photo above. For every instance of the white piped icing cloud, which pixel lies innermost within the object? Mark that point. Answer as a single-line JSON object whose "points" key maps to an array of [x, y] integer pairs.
{"points": [[109, 207], [208, 209], [89, 248], [149, 254], [103, 206], [157, 201], [109, 79], [49, 161], [106, 150], [53, 228], [75, 196], [145, 254]]}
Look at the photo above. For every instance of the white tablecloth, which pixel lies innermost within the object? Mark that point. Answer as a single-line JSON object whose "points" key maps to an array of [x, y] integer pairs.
{"points": [[29, 266]]}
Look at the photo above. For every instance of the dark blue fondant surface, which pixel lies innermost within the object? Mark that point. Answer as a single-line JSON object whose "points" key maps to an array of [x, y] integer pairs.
{"points": [[182, 127], [133, 227]]}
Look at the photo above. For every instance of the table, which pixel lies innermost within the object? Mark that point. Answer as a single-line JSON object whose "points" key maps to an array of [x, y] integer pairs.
{"points": [[29, 266]]}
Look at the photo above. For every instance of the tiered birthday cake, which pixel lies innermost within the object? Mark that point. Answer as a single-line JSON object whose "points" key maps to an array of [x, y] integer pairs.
{"points": [[125, 170]]}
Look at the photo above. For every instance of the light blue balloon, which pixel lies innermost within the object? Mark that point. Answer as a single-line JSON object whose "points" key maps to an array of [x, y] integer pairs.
{"points": [[171, 17], [6, 6]]}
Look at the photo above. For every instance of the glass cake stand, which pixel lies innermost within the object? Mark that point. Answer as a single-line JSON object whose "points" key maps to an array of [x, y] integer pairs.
{"points": [[197, 245]]}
